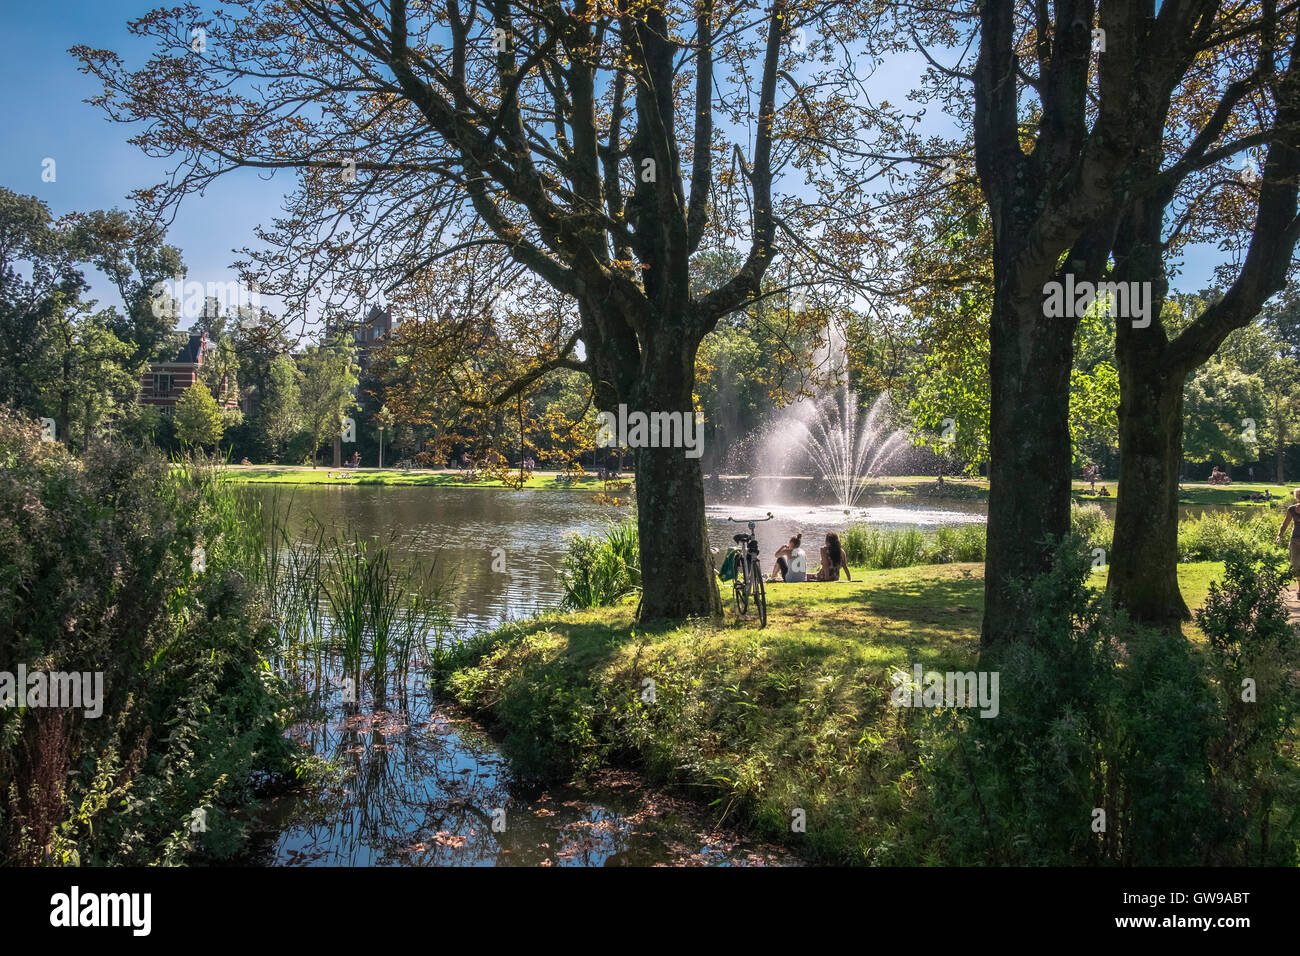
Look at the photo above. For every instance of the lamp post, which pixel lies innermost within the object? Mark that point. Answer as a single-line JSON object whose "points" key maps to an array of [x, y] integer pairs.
{"points": [[384, 419]]}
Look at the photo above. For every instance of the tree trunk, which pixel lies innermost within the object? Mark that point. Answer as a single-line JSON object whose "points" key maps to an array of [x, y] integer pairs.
{"points": [[1143, 562], [677, 576], [1029, 439], [1281, 447]]}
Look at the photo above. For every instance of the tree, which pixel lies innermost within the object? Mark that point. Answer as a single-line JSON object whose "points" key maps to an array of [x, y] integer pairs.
{"points": [[1221, 405], [280, 413], [198, 417], [39, 285], [1244, 95], [1068, 124], [590, 149], [132, 252], [326, 392]]}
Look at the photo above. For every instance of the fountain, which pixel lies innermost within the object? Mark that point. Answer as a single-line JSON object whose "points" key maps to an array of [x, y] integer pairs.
{"points": [[844, 451], [833, 439], [829, 433]]}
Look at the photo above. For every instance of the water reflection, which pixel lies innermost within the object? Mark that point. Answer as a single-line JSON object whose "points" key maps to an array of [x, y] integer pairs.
{"points": [[420, 786]]}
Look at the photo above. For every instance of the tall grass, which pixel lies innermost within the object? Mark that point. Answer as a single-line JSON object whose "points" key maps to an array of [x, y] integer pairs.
{"points": [[879, 549], [599, 570], [1216, 535], [351, 595]]}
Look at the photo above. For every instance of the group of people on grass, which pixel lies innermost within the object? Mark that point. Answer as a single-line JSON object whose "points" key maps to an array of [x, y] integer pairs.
{"points": [[792, 561]]}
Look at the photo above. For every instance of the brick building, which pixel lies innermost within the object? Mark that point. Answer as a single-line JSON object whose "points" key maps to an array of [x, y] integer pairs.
{"points": [[164, 383]]}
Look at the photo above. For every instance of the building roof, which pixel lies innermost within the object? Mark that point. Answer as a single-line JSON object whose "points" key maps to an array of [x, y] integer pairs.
{"points": [[192, 352]]}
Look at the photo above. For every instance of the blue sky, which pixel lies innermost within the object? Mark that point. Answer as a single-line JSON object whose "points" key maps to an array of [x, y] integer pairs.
{"points": [[41, 102], [41, 94]]}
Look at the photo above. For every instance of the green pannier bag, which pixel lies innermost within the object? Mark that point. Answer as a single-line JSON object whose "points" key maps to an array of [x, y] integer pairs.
{"points": [[728, 570]]}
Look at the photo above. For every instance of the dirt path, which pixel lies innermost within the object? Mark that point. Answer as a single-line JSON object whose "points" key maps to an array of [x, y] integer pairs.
{"points": [[1293, 604]]}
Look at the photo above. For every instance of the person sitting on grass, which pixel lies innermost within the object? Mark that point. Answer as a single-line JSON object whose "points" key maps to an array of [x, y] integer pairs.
{"points": [[1293, 519], [791, 562], [833, 558]]}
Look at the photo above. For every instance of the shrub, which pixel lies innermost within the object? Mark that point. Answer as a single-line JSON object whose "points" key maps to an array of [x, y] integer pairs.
{"points": [[1254, 651], [599, 571], [1091, 526], [1217, 535], [97, 575], [1097, 714]]}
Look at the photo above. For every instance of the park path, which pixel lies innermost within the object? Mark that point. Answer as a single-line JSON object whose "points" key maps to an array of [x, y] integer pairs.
{"points": [[1293, 605]]}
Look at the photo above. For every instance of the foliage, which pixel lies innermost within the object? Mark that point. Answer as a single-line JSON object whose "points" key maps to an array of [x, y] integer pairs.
{"points": [[329, 375], [1097, 716], [1255, 648], [97, 575], [280, 413], [198, 417], [1219, 400], [600, 571], [1216, 536]]}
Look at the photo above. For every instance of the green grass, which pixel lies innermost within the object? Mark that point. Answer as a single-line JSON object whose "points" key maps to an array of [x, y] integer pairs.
{"points": [[905, 486], [292, 475], [754, 722]]}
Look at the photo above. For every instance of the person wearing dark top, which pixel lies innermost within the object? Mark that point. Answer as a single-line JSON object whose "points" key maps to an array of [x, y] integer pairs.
{"points": [[833, 559], [1293, 519]]}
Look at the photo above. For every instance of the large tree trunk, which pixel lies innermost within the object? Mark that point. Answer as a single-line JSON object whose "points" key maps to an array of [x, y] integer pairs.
{"points": [[677, 577], [1029, 450], [1144, 556]]}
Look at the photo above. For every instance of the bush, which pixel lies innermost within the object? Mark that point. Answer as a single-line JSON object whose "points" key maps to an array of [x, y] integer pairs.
{"points": [[97, 575], [599, 571], [1254, 650], [1091, 526], [1098, 715], [1217, 535]]}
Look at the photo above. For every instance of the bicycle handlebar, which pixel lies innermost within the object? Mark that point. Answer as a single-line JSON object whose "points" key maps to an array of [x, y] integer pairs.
{"points": [[749, 520]]}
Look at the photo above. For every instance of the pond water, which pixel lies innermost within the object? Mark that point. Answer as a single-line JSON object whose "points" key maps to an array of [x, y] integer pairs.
{"points": [[460, 528], [417, 784]]}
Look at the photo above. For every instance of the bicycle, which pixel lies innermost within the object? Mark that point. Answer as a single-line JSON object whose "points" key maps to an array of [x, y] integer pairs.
{"points": [[749, 572]]}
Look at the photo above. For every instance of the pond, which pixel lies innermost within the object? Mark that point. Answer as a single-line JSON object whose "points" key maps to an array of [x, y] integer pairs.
{"points": [[418, 784], [460, 528]]}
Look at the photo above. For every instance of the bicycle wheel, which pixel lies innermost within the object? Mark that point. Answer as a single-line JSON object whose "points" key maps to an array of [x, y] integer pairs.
{"points": [[760, 601], [740, 587]]}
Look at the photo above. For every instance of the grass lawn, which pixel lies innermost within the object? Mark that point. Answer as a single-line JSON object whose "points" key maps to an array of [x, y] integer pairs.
{"points": [[754, 722], [292, 475], [908, 486]]}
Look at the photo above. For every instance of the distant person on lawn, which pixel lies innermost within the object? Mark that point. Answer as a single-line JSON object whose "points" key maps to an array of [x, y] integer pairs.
{"points": [[833, 559], [1293, 519], [791, 562]]}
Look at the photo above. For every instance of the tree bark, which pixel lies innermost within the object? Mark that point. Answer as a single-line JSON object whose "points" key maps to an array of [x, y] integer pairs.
{"points": [[1029, 439], [1143, 568], [677, 577]]}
